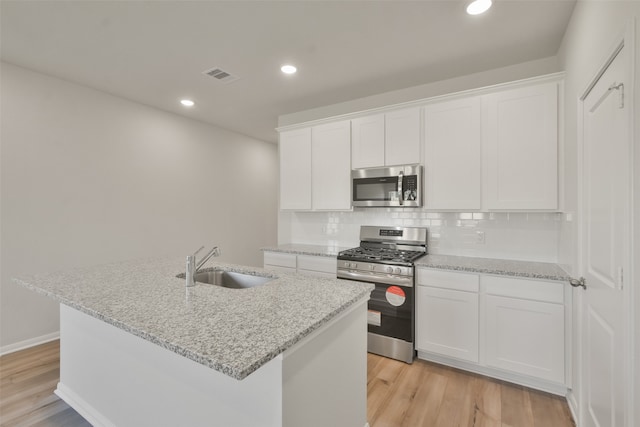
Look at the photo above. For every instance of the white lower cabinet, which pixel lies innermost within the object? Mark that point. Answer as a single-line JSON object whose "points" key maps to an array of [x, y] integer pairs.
{"points": [[447, 314], [321, 266], [525, 335], [505, 327]]}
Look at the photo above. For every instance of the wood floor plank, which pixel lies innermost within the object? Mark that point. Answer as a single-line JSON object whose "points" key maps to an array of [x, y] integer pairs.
{"points": [[488, 405], [428, 400], [451, 413], [548, 410], [401, 397], [516, 406]]}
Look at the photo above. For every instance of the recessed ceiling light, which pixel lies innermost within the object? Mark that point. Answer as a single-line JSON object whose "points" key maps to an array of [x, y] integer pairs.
{"points": [[187, 102], [478, 6], [288, 69]]}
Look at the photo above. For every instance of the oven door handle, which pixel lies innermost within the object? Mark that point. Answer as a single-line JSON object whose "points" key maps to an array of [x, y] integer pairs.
{"points": [[404, 281], [400, 194]]}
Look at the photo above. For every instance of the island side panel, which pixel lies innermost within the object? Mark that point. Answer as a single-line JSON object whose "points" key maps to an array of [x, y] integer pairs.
{"points": [[325, 378], [113, 378]]}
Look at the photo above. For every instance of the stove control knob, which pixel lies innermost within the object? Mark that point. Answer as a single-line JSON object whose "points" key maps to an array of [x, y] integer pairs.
{"points": [[347, 264], [372, 267], [389, 269], [398, 270]]}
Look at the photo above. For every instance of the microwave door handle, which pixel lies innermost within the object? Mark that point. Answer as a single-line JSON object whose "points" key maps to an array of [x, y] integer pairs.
{"points": [[400, 195]]}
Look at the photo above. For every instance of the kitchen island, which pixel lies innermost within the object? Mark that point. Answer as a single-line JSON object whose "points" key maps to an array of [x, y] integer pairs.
{"points": [[138, 348]]}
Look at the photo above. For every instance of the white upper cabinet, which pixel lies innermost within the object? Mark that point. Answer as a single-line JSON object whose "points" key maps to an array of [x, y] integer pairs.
{"points": [[402, 137], [367, 145], [386, 139], [315, 168], [521, 138], [494, 149], [295, 169], [453, 155], [331, 166]]}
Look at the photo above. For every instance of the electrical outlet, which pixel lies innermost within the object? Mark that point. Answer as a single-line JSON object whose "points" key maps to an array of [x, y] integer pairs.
{"points": [[480, 237]]}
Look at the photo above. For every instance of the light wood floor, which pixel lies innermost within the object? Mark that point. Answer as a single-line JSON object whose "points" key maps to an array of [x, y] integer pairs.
{"points": [[398, 395], [426, 394]]}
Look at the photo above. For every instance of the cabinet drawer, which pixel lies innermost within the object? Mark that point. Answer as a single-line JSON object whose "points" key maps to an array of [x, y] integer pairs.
{"points": [[514, 287], [448, 280], [280, 259], [318, 263]]}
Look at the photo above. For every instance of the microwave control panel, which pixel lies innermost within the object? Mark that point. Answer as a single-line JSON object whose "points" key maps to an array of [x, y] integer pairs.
{"points": [[410, 187]]}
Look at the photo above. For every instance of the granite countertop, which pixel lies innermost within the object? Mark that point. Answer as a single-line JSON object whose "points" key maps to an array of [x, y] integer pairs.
{"points": [[300, 249], [233, 331], [502, 267]]}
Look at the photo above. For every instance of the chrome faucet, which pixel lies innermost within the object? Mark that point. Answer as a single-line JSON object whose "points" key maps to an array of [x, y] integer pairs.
{"points": [[193, 268]]}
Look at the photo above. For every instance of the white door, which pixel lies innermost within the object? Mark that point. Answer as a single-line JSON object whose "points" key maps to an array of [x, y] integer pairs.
{"points": [[605, 248]]}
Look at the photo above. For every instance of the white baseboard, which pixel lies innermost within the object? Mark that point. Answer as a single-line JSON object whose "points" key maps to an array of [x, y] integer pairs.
{"points": [[573, 407], [85, 410], [32, 342], [535, 383]]}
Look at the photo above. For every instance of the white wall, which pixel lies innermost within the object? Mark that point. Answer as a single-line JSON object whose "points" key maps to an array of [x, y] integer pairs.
{"points": [[443, 87], [592, 31], [88, 178]]}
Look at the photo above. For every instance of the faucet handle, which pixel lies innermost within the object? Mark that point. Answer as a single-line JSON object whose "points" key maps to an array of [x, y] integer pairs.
{"points": [[196, 252]]}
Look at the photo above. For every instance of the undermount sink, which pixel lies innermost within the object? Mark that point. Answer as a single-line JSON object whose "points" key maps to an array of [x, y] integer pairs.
{"points": [[230, 279]]}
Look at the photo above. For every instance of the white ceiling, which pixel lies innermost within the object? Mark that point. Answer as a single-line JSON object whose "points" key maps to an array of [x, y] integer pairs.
{"points": [[154, 52]]}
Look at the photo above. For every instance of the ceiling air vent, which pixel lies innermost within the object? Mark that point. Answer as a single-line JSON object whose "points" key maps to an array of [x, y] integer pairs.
{"points": [[220, 75]]}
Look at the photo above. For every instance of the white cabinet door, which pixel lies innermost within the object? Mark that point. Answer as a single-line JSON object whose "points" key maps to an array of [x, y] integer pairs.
{"points": [[295, 169], [521, 137], [453, 155], [331, 166], [447, 322], [402, 137], [367, 145], [525, 336]]}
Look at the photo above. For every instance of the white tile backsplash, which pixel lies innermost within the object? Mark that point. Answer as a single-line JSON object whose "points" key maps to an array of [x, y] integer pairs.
{"points": [[518, 236]]}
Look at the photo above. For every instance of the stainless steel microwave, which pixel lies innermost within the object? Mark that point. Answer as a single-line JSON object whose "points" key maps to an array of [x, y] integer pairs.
{"points": [[393, 186]]}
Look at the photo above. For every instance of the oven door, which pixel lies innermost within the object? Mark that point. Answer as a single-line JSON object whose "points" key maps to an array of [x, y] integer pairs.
{"points": [[391, 309]]}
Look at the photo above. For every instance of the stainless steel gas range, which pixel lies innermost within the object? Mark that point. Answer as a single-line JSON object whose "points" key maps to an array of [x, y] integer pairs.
{"points": [[386, 257]]}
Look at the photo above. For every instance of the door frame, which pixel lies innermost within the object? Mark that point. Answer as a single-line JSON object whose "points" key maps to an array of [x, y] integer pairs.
{"points": [[630, 289]]}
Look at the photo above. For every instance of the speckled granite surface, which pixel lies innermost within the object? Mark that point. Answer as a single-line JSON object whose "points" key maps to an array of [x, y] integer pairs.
{"points": [[299, 249], [503, 267], [234, 331]]}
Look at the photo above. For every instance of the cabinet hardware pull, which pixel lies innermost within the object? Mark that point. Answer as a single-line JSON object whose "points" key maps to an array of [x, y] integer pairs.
{"points": [[577, 283]]}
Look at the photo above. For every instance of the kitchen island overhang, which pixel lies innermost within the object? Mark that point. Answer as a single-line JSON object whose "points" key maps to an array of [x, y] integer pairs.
{"points": [[308, 367]]}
